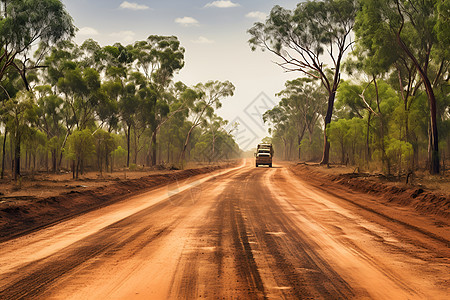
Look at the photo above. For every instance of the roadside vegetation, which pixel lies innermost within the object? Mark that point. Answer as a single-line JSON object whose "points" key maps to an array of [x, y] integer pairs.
{"points": [[373, 82], [84, 107]]}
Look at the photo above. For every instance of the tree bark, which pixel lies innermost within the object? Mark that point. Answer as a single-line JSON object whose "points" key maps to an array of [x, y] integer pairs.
{"points": [[128, 145], [4, 153], [17, 158], [61, 152], [368, 154], [299, 140], [186, 142], [326, 146], [434, 138], [153, 148]]}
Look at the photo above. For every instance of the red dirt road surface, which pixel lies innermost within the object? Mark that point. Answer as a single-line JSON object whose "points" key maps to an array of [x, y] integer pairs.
{"points": [[241, 233]]}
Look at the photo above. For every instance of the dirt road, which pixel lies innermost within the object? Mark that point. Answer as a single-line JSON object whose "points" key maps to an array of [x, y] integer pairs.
{"points": [[241, 233]]}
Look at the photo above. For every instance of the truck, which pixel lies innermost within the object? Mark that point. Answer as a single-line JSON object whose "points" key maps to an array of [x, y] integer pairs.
{"points": [[264, 155]]}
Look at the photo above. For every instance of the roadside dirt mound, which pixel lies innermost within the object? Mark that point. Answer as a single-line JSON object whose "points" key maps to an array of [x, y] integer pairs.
{"points": [[26, 214], [399, 194]]}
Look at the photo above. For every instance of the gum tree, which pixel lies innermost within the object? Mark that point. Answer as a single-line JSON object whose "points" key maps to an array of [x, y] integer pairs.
{"points": [[202, 101], [24, 24], [158, 58], [418, 31], [303, 102], [27, 23], [305, 39]]}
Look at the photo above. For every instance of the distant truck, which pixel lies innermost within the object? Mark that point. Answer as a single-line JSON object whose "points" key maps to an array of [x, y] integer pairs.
{"points": [[264, 155]]}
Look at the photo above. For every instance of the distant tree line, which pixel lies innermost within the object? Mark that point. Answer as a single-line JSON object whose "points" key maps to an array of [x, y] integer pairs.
{"points": [[78, 107], [392, 111]]}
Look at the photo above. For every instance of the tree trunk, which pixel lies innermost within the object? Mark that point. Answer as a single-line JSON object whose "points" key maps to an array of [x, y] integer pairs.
{"points": [[186, 142], [106, 161], [213, 157], [27, 160], [112, 164], [136, 146], [77, 169], [331, 97], [46, 161], [434, 138], [4, 153], [128, 145], [62, 147], [159, 151], [183, 151], [153, 148], [168, 150], [299, 140], [326, 146], [368, 154], [100, 165], [434, 163], [429, 150], [34, 163], [54, 167], [17, 158]]}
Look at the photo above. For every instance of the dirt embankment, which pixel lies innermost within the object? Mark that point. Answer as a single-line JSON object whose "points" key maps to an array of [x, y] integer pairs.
{"points": [[392, 193], [27, 213]]}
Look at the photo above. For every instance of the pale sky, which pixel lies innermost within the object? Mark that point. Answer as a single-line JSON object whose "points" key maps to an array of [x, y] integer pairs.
{"points": [[214, 34]]}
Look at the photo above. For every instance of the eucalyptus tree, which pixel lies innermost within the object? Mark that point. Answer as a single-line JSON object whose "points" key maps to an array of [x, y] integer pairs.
{"points": [[115, 63], [104, 146], [215, 127], [158, 58], [82, 90], [34, 143], [128, 106], [174, 128], [60, 60], [352, 97], [348, 134], [80, 146], [50, 122], [280, 125], [375, 102], [304, 102], [21, 111], [24, 24], [203, 99], [300, 38], [10, 86], [415, 27]]}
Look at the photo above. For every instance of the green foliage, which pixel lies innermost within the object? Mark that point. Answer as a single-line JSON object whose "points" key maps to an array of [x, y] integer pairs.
{"points": [[303, 103], [202, 100], [119, 152], [80, 145], [410, 36], [302, 38], [20, 114], [348, 136], [91, 99], [442, 27], [400, 153], [25, 24], [104, 145]]}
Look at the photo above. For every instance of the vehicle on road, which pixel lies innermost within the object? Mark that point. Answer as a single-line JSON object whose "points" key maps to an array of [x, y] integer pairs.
{"points": [[264, 155]]}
